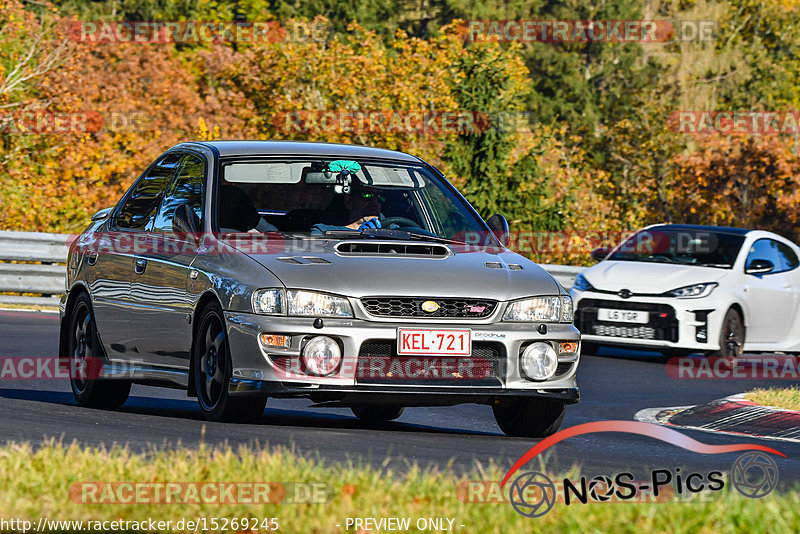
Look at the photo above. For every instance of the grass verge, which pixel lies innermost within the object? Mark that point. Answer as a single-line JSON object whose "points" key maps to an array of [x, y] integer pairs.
{"points": [[787, 398], [37, 482]]}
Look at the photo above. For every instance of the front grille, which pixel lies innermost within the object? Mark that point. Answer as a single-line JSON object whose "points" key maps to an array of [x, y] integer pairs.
{"points": [[638, 332], [662, 323], [412, 307], [378, 363]]}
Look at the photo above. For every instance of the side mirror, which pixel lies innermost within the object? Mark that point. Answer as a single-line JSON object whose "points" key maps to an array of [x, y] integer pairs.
{"points": [[499, 227], [185, 222], [599, 254], [102, 214], [759, 267]]}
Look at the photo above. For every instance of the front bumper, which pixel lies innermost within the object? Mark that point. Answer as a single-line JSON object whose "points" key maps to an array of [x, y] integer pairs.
{"points": [[256, 368], [692, 324]]}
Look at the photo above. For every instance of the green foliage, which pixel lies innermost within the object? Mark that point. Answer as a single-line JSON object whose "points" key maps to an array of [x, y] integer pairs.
{"points": [[591, 147]]}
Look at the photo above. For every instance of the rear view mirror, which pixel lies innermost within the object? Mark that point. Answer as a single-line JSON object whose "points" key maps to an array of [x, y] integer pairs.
{"points": [[319, 177], [759, 267], [499, 227], [185, 222], [599, 254]]}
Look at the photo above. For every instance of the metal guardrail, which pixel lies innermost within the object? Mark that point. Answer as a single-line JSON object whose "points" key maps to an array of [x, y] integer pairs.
{"points": [[42, 267]]}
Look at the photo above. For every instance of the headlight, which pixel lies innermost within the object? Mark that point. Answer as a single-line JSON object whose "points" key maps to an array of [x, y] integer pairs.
{"points": [[538, 361], [582, 284], [300, 303], [269, 302], [695, 291], [566, 309], [540, 309], [311, 304]]}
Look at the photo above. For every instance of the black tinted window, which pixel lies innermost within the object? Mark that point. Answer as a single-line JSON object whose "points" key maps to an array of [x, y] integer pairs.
{"points": [[690, 246], [791, 258], [140, 207], [186, 189], [781, 256]]}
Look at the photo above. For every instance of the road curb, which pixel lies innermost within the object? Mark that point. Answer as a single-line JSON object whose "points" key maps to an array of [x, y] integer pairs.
{"points": [[732, 415]]}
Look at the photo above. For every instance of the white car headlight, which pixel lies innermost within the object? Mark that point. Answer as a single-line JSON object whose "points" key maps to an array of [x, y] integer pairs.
{"points": [[695, 291], [300, 303], [534, 309]]}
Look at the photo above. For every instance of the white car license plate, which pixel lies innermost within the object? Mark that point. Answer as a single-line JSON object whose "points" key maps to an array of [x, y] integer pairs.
{"points": [[449, 342], [623, 316]]}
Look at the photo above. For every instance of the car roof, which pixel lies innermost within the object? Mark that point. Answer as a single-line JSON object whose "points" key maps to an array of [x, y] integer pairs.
{"points": [[301, 148], [718, 229]]}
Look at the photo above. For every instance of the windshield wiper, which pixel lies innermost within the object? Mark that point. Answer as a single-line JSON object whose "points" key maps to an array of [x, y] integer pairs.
{"points": [[717, 265]]}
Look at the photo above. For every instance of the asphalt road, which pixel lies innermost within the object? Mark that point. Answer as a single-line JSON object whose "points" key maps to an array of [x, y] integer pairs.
{"points": [[614, 385]]}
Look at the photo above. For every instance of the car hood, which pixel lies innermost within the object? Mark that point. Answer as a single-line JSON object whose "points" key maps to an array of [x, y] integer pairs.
{"points": [[459, 274], [648, 277]]}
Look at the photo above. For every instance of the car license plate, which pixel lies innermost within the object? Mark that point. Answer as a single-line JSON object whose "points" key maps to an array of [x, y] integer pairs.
{"points": [[623, 316], [451, 342]]}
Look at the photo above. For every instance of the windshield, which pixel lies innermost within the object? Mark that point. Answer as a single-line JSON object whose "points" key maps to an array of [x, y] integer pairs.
{"points": [[684, 246], [316, 197]]}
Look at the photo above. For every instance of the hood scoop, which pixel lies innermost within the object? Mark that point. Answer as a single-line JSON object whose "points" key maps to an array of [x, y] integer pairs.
{"points": [[392, 248], [302, 260], [498, 265]]}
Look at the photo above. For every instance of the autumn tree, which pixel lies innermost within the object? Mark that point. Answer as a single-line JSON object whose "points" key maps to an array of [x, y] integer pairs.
{"points": [[744, 181]]}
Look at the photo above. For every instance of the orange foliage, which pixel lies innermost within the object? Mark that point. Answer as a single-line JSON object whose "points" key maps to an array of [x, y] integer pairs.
{"points": [[744, 181]]}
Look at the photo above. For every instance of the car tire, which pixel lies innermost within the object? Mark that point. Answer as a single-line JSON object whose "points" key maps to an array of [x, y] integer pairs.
{"points": [[377, 413], [588, 348], [85, 359], [731, 336], [526, 417], [212, 373]]}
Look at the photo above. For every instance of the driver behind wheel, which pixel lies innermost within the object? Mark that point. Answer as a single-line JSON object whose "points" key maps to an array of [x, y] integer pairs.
{"points": [[363, 205]]}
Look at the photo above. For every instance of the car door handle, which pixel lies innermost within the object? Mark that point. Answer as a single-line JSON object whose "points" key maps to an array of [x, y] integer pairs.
{"points": [[92, 259], [141, 265]]}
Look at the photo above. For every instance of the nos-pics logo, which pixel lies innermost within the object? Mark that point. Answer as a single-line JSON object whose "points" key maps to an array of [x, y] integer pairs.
{"points": [[533, 494]]}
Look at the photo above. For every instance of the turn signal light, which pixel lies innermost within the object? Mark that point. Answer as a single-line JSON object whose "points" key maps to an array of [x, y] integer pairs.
{"points": [[275, 340], [568, 347]]}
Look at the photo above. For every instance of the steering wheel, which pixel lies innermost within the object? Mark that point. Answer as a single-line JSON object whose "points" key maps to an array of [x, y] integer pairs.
{"points": [[400, 221]]}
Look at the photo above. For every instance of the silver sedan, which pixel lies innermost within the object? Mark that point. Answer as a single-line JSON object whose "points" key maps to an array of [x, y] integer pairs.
{"points": [[356, 277]]}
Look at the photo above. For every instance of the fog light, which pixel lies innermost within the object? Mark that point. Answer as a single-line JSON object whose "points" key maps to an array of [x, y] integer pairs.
{"points": [[568, 347], [276, 340], [538, 361], [322, 356]]}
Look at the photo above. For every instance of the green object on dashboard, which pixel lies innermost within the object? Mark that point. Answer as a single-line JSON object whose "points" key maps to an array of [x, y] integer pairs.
{"points": [[341, 165]]}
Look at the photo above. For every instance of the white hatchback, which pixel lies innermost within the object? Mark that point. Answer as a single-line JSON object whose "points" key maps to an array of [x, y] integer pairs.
{"points": [[682, 289]]}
